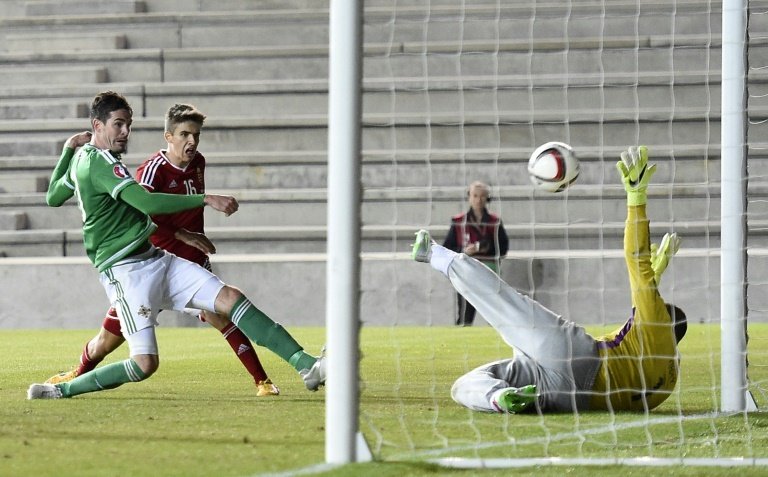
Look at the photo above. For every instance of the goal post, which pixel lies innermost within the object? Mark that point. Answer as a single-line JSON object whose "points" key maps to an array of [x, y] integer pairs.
{"points": [[733, 319], [343, 241]]}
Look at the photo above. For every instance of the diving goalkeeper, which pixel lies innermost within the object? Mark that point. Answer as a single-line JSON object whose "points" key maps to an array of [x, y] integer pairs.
{"points": [[557, 365]]}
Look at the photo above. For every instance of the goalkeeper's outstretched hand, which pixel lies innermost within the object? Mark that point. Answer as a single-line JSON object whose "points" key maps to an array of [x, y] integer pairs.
{"points": [[662, 253], [635, 174]]}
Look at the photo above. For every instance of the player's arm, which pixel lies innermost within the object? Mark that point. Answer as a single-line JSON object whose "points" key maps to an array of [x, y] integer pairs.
{"points": [[195, 239], [166, 223], [662, 253], [59, 187], [161, 203], [635, 175]]}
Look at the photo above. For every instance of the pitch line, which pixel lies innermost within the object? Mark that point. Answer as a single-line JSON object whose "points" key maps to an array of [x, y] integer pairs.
{"points": [[563, 435]]}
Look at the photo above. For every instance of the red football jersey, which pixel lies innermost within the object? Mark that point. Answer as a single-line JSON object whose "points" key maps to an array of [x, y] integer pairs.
{"points": [[158, 174]]}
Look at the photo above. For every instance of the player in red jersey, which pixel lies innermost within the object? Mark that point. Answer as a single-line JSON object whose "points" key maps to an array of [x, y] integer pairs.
{"points": [[179, 169]]}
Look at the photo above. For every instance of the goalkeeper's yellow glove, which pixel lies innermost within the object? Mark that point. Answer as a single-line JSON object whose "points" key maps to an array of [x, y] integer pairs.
{"points": [[662, 253], [635, 174]]}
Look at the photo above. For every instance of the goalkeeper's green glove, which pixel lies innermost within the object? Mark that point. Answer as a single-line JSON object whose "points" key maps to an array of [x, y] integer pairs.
{"points": [[661, 253], [635, 174]]}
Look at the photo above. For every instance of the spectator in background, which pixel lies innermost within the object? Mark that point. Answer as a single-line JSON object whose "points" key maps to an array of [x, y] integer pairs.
{"points": [[479, 234]]}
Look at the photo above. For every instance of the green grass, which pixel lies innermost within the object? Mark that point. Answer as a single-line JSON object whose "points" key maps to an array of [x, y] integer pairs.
{"points": [[198, 416]]}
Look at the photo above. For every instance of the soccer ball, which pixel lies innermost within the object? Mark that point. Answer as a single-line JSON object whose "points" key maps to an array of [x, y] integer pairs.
{"points": [[553, 167]]}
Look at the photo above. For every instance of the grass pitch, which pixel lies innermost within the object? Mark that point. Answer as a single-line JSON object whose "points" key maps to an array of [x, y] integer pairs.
{"points": [[198, 415]]}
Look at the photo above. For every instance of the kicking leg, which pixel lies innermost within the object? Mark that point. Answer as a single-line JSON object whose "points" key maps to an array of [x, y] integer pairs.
{"points": [[244, 351]]}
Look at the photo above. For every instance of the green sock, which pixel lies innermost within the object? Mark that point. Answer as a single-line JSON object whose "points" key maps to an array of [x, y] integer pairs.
{"points": [[301, 360], [264, 332], [105, 377]]}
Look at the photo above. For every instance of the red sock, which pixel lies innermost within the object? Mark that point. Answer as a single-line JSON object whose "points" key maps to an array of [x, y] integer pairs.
{"points": [[86, 363], [243, 348], [112, 324]]}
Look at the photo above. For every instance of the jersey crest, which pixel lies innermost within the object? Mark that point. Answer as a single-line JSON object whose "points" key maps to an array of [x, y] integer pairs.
{"points": [[120, 171]]}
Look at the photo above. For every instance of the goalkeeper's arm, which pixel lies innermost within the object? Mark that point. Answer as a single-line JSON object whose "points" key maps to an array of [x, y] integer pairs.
{"points": [[662, 253]]}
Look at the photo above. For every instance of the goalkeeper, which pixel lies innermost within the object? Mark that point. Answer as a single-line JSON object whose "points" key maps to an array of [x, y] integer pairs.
{"points": [[557, 365]]}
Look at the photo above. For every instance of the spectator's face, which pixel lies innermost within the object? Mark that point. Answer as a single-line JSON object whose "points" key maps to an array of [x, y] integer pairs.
{"points": [[478, 198], [113, 134]]}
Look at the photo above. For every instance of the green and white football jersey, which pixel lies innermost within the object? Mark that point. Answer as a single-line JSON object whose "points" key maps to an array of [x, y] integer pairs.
{"points": [[111, 227]]}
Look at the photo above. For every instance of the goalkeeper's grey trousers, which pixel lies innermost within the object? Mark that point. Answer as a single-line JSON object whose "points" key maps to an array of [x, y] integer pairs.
{"points": [[556, 355]]}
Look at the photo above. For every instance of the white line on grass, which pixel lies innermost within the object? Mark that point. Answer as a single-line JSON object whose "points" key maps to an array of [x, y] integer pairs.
{"points": [[562, 436], [471, 463], [312, 469]]}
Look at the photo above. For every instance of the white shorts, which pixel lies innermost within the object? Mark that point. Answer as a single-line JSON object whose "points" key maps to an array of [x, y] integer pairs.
{"points": [[142, 285]]}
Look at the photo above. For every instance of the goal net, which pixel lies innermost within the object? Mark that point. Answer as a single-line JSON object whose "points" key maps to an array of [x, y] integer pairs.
{"points": [[456, 91]]}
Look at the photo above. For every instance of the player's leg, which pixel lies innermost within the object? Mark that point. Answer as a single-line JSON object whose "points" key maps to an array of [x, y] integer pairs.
{"points": [[133, 288], [143, 362], [265, 332], [244, 351], [501, 386], [191, 286], [95, 350], [136, 288], [523, 323]]}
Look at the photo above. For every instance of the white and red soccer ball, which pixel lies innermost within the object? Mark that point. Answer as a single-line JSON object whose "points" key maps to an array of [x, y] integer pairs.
{"points": [[553, 167]]}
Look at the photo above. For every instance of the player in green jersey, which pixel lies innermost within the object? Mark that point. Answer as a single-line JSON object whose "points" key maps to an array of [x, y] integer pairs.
{"points": [[138, 278]]}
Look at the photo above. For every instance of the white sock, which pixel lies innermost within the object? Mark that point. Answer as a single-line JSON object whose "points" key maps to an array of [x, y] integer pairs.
{"points": [[441, 258]]}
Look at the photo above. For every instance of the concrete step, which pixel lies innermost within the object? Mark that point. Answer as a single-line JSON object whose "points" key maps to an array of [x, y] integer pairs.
{"points": [[515, 204], [253, 25], [30, 147], [508, 129], [23, 182], [218, 99], [36, 243], [43, 109], [11, 220], [39, 96], [13, 8], [439, 94], [394, 290], [390, 238], [80, 7], [419, 207], [694, 163], [410, 60], [41, 74], [80, 41]]}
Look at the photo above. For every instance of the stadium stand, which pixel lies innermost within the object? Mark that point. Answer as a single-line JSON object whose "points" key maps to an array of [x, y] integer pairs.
{"points": [[264, 87]]}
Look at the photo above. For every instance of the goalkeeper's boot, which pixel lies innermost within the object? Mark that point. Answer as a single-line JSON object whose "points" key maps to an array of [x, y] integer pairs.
{"points": [[44, 391], [63, 377], [266, 388], [515, 400], [314, 377], [422, 247]]}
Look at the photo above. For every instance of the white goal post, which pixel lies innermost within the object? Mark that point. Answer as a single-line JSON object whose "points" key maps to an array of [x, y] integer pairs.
{"points": [[343, 266], [733, 320]]}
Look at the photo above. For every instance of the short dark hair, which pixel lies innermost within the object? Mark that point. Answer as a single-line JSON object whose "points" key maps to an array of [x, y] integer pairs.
{"points": [[179, 113], [105, 103], [679, 319]]}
